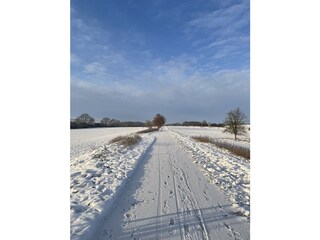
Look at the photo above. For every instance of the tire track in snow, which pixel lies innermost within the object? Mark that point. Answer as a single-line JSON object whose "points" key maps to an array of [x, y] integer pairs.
{"points": [[180, 211], [177, 204], [223, 227], [159, 200], [191, 197], [171, 156], [172, 194], [230, 173], [190, 208], [185, 200]]}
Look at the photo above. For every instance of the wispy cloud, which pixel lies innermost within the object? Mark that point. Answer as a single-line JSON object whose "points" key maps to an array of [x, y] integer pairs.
{"points": [[226, 30], [186, 62], [175, 81], [96, 68], [222, 20], [75, 60], [86, 33]]}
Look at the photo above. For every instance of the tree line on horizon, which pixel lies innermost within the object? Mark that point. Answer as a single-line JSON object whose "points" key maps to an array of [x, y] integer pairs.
{"points": [[86, 121], [234, 122], [197, 124]]}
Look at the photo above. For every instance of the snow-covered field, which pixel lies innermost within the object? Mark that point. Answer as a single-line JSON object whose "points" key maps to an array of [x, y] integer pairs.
{"points": [[167, 186], [96, 178], [168, 197], [87, 140], [213, 132], [231, 173]]}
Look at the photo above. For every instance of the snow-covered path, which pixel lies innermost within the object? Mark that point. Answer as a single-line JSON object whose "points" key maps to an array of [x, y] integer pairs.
{"points": [[168, 197]]}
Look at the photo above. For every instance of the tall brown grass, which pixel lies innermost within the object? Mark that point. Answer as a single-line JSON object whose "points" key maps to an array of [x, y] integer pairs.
{"points": [[126, 141], [148, 130], [237, 150]]}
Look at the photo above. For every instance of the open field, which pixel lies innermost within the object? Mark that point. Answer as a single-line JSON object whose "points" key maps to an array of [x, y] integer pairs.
{"points": [[165, 186], [86, 140], [213, 132]]}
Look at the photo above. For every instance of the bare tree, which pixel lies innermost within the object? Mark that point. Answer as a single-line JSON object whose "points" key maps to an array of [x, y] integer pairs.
{"points": [[204, 123], [105, 121], [159, 120], [234, 123], [85, 120], [114, 123]]}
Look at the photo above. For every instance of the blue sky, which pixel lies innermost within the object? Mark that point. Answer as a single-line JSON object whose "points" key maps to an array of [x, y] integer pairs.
{"points": [[188, 60]]}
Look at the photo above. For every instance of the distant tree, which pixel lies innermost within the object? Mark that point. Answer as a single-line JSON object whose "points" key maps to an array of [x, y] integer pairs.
{"points": [[84, 120], [204, 123], [114, 123], [97, 125], [216, 125], [73, 125], [149, 124], [131, 124], [159, 120], [192, 123], [174, 124], [234, 123], [105, 121]]}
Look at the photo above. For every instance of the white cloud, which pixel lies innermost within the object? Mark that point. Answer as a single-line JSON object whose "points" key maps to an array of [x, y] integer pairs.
{"points": [[111, 82], [175, 85], [226, 30], [228, 41], [78, 23], [87, 33], [95, 67], [75, 60], [222, 18]]}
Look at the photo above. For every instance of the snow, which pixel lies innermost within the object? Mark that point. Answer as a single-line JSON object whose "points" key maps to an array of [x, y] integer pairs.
{"points": [[86, 140], [214, 132], [168, 197], [231, 173], [96, 178], [167, 186]]}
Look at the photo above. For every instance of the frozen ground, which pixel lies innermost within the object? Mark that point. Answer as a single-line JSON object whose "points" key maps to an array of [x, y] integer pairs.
{"points": [[229, 172], [96, 178], [168, 186], [213, 132], [169, 197], [86, 140]]}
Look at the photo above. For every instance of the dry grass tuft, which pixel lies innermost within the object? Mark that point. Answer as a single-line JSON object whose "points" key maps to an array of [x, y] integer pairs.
{"points": [[203, 139], [237, 150], [148, 130], [126, 141]]}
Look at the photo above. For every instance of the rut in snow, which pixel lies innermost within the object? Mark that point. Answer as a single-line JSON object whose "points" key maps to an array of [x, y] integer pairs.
{"points": [[168, 197]]}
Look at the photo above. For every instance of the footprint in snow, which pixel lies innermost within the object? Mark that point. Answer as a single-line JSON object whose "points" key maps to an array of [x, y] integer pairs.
{"points": [[107, 234], [134, 232], [165, 207], [171, 194], [186, 228], [171, 231]]}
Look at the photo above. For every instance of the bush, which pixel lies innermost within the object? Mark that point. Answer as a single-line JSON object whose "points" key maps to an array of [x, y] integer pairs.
{"points": [[126, 141], [237, 150]]}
